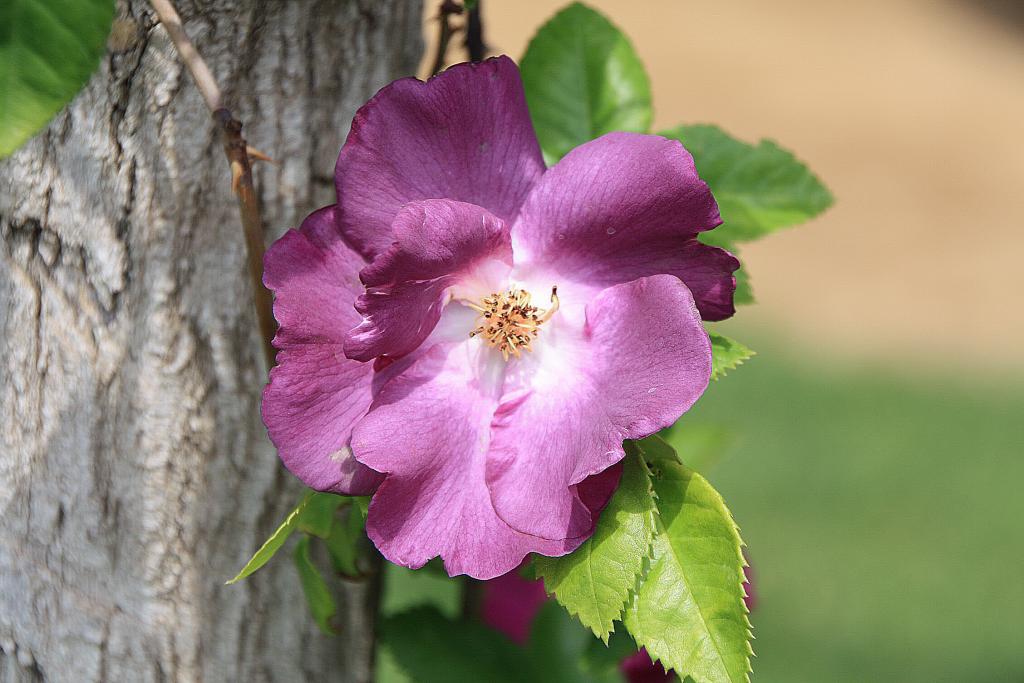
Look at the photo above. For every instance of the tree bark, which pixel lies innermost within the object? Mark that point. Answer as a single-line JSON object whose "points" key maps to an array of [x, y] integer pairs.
{"points": [[135, 474]]}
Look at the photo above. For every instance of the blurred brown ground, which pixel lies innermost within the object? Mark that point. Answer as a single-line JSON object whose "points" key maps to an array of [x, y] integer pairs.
{"points": [[912, 112]]}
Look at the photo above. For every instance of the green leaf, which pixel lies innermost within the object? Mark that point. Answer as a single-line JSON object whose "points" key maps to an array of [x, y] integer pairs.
{"points": [[700, 445], [689, 610], [594, 582], [744, 294], [759, 189], [601, 660], [582, 80], [405, 589], [427, 647], [48, 50], [557, 646], [655, 450], [318, 515], [431, 648], [562, 651], [276, 540], [346, 539], [726, 354], [386, 668], [318, 595]]}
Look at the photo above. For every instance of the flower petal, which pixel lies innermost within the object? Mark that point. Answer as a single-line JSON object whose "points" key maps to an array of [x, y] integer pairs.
{"points": [[428, 430], [621, 207], [439, 244], [315, 394], [464, 134], [641, 359]]}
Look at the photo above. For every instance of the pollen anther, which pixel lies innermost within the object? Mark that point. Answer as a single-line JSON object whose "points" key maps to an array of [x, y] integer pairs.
{"points": [[509, 321]]}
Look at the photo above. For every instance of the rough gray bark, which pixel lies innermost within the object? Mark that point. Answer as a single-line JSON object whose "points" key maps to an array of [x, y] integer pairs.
{"points": [[135, 475]]}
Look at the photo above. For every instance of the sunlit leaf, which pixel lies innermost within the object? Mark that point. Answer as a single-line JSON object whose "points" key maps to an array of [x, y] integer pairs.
{"points": [[726, 354], [276, 540], [583, 79], [759, 188], [594, 582], [688, 611]]}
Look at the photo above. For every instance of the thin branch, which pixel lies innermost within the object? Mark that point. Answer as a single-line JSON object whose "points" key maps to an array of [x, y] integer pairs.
{"points": [[252, 225], [238, 154], [445, 33], [476, 46], [201, 73]]}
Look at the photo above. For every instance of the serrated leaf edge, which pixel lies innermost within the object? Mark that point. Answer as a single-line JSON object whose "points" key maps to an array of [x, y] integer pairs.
{"points": [[743, 561], [732, 365], [605, 633], [729, 368], [675, 133]]}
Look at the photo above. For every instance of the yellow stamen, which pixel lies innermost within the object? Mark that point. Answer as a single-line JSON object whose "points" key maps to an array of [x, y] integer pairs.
{"points": [[510, 322]]}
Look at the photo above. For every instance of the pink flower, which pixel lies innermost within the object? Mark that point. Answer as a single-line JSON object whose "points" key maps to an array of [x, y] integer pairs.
{"points": [[470, 336]]}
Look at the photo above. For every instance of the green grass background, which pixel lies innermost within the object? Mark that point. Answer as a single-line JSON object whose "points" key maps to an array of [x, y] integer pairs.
{"points": [[883, 512]]}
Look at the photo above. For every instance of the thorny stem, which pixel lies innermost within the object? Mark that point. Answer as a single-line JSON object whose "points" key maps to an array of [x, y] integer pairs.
{"points": [[252, 224], [238, 154], [476, 46], [445, 33]]}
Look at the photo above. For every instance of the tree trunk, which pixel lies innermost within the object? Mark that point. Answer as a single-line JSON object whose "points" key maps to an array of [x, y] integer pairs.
{"points": [[135, 474]]}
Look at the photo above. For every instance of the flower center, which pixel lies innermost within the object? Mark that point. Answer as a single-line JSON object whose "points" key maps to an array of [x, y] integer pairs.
{"points": [[509, 321]]}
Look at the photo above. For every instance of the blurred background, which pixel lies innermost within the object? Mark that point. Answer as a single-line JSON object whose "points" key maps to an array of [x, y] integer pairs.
{"points": [[872, 452], [878, 457]]}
